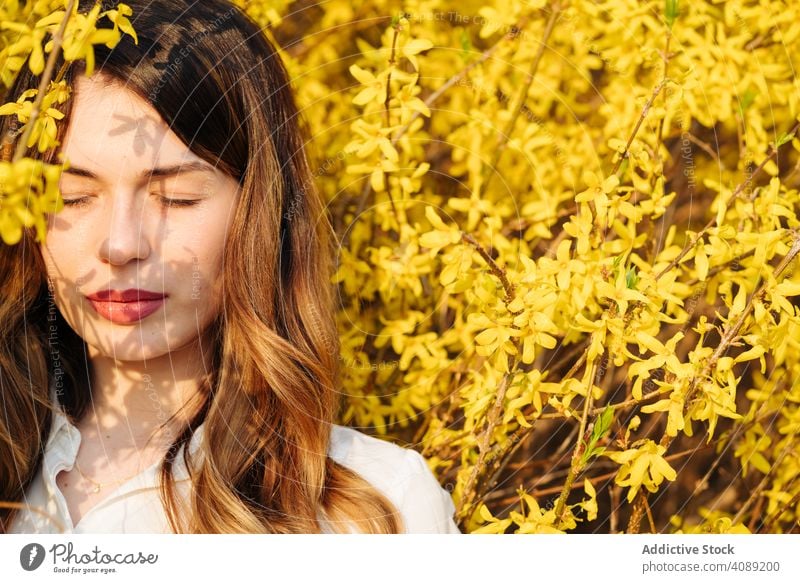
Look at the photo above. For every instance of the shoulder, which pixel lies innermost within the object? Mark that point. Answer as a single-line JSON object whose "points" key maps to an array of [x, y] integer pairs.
{"points": [[401, 474]]}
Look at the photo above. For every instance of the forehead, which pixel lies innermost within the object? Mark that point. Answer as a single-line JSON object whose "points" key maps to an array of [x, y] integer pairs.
{"points": [[116, 134]]}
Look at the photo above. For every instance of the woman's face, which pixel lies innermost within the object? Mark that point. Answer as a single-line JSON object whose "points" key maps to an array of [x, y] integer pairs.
{"points": [[135, 257]]}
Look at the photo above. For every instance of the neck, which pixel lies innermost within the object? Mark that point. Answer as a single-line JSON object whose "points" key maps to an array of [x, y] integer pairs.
{"points": [[133, 399]]}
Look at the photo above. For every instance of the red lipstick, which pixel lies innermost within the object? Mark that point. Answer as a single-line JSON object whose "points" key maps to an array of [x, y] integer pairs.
{"points": [[125, 306]]}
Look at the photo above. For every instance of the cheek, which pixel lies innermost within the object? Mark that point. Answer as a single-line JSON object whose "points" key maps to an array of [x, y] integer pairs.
{"points": [[206, 239], [69, 228], [201, 289], [68, 249], [61, 253], [201, 261], [64, 271]]}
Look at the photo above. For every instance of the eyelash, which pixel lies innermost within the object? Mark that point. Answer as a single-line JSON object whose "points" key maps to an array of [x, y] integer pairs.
{"points": [[167, 202]]}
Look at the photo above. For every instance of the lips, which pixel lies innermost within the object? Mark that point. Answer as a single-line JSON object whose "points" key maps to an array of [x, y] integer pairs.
{"points": [[126, 306], [128, 295]]}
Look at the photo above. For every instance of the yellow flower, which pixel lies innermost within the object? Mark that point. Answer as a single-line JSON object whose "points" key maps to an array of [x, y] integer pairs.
{"points": [[44, 127], [374, 87], [28, 190], [597, 191], [409, 103], [492, 525], [372, 137], [442, 235], [674, 405], [589, 505], [662, 354], [119, 17], [643, 466], [536, 520], [376, 171], [411, 49], [82, 33]]}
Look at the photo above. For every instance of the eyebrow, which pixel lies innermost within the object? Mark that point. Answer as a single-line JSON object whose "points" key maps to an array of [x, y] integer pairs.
{"points": [[163, 172]]}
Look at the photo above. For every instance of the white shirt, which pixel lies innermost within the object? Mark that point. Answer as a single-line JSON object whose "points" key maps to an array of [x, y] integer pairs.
{"points": [[401, 474]]}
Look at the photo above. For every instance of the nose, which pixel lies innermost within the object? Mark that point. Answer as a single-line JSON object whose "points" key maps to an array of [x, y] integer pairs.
{"points": [[126, 234]]}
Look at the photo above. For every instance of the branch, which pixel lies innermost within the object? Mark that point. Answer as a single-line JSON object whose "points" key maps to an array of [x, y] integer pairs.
{"points": [[466, 503], [493, 267], [748, 181], [523, 93], [724, 344], [576, 466], [623, 156], [430, 100], [47, 75]]}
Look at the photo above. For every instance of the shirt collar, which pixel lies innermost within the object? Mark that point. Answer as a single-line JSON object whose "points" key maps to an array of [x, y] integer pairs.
{"points": [[60, 422]]}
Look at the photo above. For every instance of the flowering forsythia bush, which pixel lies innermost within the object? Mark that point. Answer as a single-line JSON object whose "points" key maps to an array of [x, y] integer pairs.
{"points": [[568, 237], [30, 33]]}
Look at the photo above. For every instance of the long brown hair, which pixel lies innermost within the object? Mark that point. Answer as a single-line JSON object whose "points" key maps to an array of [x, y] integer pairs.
{"points": [[273, 395]]}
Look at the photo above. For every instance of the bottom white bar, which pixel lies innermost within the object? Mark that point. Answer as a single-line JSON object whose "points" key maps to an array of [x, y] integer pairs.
{"points": [[401, 558]]}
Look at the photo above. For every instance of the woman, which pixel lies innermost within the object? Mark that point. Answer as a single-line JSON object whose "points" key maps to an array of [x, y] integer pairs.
{"points": [[168, 357]]}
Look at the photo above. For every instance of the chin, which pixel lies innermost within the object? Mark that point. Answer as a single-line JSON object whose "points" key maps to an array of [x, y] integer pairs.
{"points": [[124, 353]]}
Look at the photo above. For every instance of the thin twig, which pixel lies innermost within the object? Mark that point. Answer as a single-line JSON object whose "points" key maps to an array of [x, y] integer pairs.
{"points": [[392, 63], [763, 483], [736, 193], [705, 147], [723, 345], [493, 267], [615, 406], [576, 466], [466, 504], [767, 526], [429, 101], [47, 75], [603, 477], [639, 122], [521, 97], [649, 512], [433, 97], [661, 121]]}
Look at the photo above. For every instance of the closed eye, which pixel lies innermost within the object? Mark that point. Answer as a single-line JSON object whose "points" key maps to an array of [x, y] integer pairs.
{"points": [[179, 202], [76, 201], [165, 201]]}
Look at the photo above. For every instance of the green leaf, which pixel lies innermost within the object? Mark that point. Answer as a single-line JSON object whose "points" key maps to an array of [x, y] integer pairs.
{"points": [[747, 99], [466, 46], [783, 139], [604, 421], [601, 426], [624, 166], [631, 279], [671, 12]]}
